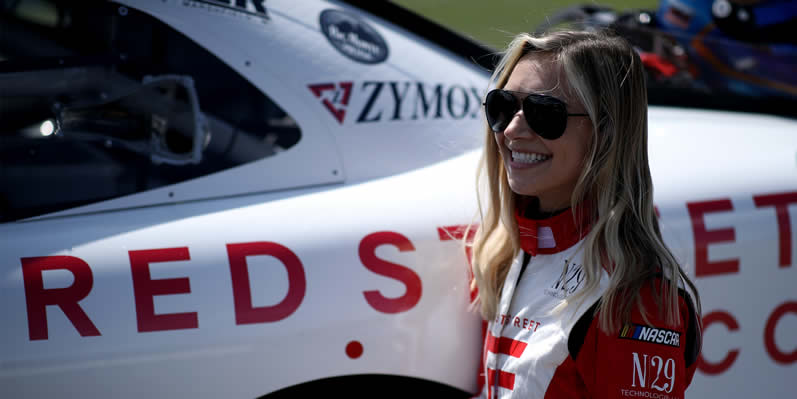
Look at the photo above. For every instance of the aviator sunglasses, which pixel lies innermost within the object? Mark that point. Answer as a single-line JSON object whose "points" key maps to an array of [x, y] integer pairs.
{"points": [[546, 115]]}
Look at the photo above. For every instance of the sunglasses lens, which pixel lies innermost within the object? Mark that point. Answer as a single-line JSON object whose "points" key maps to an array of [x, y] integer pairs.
{"points": [[546, 115], [499, 106]]}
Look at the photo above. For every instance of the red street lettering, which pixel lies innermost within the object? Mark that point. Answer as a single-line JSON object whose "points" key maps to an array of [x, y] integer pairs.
{"points": [[524, 323], [145, 289], [245, 313], [382, 267], [780, 202], [704, 237], [37, 297]]}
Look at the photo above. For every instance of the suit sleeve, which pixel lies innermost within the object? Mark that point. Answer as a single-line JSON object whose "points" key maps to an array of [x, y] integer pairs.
{"points": [[644, 359]]}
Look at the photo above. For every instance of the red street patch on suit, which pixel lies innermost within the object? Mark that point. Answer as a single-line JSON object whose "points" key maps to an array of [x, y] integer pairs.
{"points": [[653, 335]]}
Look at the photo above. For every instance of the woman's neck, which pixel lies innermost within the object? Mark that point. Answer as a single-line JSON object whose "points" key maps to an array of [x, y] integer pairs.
{"points": [[532, 210]]}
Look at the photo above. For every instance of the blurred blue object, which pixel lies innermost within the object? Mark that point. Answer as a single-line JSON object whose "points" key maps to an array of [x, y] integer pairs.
{"points": [[746, 47]]}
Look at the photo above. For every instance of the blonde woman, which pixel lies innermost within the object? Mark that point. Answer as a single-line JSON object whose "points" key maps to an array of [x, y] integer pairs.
{"points": [[582, 297]]}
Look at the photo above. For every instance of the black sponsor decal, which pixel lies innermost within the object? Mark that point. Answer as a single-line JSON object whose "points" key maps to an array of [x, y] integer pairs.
{"points": [[239, 8], [352, 37], [568, 282], [399, 100], [650, 334]]}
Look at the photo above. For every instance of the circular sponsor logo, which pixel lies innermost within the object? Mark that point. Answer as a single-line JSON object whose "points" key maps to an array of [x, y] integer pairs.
{"points": [[353, 37]]}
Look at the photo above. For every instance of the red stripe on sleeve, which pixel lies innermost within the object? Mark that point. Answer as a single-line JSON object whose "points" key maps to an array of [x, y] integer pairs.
{"points": [[501, 378], [505, 346]]}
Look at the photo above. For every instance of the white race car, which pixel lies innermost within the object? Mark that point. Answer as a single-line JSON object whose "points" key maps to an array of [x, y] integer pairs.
{"points": [[245, 199]]}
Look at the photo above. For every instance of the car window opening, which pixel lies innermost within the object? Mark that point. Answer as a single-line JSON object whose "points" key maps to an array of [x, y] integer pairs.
{"points": [[97, 105]]}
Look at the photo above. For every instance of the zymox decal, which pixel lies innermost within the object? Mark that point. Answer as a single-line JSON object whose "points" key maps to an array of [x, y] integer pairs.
{"points": [[397, 100]]}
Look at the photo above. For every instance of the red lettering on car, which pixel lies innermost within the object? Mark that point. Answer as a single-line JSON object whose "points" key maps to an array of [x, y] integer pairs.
{"points": [[407, 276], [37, 297], [704, 237], [725, 318], [145, 289], [780, 202], [245, 313], [769, 334]]}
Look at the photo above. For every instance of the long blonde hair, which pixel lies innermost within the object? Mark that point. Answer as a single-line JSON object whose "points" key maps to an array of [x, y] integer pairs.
{"points": [[607, 76]]}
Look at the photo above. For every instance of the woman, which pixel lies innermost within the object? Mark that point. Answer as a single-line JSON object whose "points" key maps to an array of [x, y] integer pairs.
{"points": [[582, 296]]}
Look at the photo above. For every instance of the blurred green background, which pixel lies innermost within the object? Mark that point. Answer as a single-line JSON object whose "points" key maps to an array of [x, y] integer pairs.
{"points": [[495, 22]]}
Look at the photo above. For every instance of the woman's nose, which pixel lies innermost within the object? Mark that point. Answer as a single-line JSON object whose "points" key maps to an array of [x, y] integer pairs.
{"points": [[517, 127]]}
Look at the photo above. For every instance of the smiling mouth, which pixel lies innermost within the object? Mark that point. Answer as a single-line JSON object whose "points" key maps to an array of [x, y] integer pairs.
{"points": [[530, 158]]}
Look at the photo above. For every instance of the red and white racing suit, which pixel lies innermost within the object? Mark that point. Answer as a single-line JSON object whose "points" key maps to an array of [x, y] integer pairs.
{"points": [[532, 351]]}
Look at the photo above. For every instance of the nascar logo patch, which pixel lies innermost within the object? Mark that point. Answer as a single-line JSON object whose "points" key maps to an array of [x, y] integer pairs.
{"points": [[653, 335]]}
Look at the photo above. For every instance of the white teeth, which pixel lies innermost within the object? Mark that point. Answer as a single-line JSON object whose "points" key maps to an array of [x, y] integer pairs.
{"points": [[529, 158]]}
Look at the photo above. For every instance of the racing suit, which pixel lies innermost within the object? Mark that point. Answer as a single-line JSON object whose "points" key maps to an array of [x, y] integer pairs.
{"points": [[537, 349]]}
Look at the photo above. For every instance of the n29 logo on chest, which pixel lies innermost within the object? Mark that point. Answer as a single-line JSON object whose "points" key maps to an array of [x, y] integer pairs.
{"points": [[568, 282]]}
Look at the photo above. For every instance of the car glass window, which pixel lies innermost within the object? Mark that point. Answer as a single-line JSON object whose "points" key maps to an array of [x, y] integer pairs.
{"points": [[99, 101]]}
